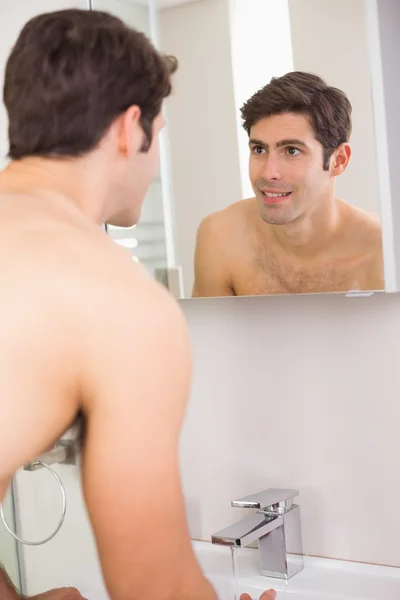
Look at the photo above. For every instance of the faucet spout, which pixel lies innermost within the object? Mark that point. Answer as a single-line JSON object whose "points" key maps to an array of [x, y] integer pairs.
{"points": [[248, 530], [276, 526]]}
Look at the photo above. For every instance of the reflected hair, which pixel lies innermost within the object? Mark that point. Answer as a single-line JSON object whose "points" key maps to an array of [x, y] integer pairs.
{"points": [[327, 108]]}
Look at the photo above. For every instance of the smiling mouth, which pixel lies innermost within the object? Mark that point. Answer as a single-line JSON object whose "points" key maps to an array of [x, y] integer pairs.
{"points": [[275, 197], [276, 194]]}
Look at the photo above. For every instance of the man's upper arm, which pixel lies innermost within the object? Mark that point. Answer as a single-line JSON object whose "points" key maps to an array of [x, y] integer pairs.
{"points": [[211, 274], [138, 388]]}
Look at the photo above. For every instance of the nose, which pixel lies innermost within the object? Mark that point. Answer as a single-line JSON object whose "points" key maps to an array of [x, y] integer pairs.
{"points": [[271, 170]]}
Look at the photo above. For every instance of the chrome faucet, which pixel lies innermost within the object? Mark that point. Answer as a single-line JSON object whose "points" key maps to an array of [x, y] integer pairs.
{"points": [[276, 526]]}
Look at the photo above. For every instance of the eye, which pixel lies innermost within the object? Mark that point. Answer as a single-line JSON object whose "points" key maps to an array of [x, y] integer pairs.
{"points": [[258, 150], [292, 151]]}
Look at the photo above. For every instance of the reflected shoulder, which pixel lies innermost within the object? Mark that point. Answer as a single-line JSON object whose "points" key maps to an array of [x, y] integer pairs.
{"points": [[241, 207], [229, 215], [363, 222], [360, 215]]}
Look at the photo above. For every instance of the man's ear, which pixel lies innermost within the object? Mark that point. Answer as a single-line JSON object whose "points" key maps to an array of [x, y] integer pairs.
{"points": [[340, 159], [130, 133]]}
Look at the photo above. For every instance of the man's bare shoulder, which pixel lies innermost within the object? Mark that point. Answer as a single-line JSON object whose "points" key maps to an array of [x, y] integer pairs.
{"points": [[78, 313], [115, 287], [56, 250], [363, 225]]}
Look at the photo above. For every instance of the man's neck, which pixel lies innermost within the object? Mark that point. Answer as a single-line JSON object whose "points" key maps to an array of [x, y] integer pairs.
{"points": [[72, 180], [312, 233]]}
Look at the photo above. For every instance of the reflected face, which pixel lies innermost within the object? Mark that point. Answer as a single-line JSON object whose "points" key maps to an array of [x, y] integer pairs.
{"points": [[286, 168]]}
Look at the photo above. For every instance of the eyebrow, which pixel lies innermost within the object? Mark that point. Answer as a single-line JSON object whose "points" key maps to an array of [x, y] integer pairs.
{"points": [[280, 144]]}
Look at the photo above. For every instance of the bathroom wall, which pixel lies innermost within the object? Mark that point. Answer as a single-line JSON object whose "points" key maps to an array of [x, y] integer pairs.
{"points": [[298, 392]]}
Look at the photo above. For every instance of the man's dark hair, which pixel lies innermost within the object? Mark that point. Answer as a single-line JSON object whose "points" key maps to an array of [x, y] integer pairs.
{"points": [[328, 108], [71, 73]]}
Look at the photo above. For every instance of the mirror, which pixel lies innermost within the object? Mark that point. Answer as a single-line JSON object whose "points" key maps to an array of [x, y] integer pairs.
{"points": [[147, 240], [215, 223]]}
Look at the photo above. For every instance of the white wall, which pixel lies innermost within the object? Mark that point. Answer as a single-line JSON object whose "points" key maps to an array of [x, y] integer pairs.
{"points": [[201, 119], [298, 392], [340, 55]]}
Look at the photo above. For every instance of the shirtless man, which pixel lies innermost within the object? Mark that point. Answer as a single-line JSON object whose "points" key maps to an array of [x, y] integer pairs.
{"points": [[83, 327], [294, 236]]}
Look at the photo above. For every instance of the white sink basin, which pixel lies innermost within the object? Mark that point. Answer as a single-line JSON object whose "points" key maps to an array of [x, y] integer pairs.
{"points": [[321, 579]]}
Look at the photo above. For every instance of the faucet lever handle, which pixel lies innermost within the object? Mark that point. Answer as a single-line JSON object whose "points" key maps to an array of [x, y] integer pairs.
{"points": [[273, 500]]}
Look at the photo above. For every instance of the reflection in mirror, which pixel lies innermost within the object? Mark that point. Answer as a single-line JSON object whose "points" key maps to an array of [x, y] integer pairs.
{"points": [[146, 240], [297, 211], [269, 179]]}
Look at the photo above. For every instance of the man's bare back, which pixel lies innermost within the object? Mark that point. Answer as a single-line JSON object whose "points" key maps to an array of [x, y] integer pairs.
{"points": [[60, 274], [49, 254], [237, 254], [79, 321]]}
